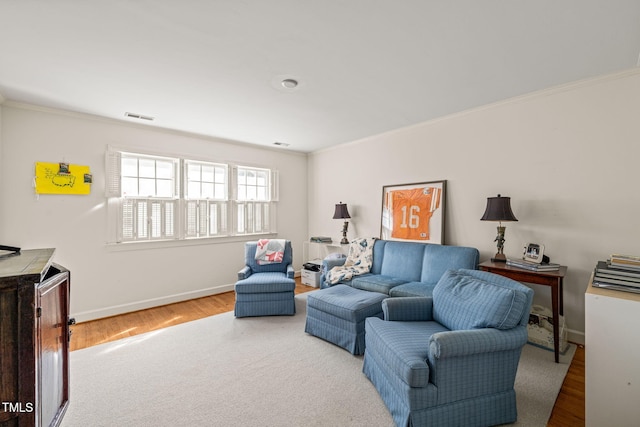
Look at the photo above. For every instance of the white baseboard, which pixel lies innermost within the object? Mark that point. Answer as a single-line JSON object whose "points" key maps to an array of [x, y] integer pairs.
{"points": [[85, 316], [574, 336]]}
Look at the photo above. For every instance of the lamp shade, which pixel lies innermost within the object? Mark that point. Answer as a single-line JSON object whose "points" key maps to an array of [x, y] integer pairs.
{"points": [[341, 211], [498, 209]]}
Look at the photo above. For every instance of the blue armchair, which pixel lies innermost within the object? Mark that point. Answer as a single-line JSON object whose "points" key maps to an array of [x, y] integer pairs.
{"points": [[265, 289], [450, 359]]}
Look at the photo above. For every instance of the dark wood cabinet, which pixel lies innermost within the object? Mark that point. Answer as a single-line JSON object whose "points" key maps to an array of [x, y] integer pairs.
{"points": [[34, 339]]}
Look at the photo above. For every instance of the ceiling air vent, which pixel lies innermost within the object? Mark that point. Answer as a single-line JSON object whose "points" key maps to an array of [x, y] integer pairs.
{"points": [[138, 116]]}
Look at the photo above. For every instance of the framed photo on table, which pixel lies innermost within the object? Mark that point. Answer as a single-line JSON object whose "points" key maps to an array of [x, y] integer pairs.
{"points": [[414, 212]]}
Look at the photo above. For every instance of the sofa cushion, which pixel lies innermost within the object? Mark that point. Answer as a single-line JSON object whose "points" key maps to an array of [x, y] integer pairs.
{"points": [[378, 255], [265, 283], [376, 283], [402, 260], [468, 299], [412, 289], [344, 302], [439, 258]]}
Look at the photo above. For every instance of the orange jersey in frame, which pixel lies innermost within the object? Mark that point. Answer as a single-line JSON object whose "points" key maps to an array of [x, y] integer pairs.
{"points": [[412, 211]]}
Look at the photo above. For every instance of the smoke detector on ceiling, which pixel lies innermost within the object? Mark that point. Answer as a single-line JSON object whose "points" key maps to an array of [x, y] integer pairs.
{"points": [[289, 83], [286, 83]]}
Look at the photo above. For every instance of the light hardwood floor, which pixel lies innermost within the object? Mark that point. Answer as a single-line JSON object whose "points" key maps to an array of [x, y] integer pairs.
{"points": [[568, 411]]}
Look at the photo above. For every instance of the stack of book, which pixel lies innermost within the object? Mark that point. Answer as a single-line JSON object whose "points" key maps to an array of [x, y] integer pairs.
{"points": [[620, 272], [533, 266]]}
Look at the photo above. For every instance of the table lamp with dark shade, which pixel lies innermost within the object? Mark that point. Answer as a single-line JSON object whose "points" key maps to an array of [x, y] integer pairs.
{"points": [[499, 209], [342, 213]]}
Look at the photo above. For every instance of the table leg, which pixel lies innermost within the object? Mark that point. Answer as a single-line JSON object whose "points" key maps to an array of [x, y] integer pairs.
{"points": [[561, 292], [556, 321]]}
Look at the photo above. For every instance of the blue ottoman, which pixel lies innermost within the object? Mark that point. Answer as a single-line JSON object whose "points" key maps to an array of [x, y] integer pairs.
{"points": [[265, 294], [337, 315]]}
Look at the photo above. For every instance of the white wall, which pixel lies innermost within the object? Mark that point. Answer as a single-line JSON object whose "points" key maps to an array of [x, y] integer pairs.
{"points": [[105, 279], [567, 157]]}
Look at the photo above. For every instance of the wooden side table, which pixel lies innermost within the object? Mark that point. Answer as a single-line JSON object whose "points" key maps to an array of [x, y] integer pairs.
{"points": [[553, 279]]}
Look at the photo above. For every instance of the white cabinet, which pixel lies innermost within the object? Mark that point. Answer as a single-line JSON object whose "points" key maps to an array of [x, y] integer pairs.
{"points": [[612, 352], [310, 278]]}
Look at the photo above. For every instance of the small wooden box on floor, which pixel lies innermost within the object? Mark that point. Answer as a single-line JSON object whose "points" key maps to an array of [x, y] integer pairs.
{"points": [[34, 332]]}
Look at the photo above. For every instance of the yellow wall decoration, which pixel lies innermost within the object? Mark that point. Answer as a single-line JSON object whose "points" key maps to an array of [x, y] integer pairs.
{"points": [[62, 178]]}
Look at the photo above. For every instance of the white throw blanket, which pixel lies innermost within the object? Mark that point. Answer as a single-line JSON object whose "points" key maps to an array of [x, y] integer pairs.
{"points": [[358, 261], [270, 251]]}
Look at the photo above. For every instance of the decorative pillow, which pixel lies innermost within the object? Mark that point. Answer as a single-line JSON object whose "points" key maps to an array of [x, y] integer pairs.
{"points": [[469, 299]]}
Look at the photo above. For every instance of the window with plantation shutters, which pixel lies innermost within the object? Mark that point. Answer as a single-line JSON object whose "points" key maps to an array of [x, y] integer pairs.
{"points": [[206, 197], [147, 189], [254, 200], [167, 198], [148, 219], [206, 218]]}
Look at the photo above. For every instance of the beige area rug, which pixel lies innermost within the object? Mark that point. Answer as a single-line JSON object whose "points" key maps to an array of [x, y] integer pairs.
{"points": [[263, 371]]}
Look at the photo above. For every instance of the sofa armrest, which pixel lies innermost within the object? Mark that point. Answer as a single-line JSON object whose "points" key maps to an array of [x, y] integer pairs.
{"points": [[467, 342], [328, 264], [408, 309], [290, 271], [244, 273]]}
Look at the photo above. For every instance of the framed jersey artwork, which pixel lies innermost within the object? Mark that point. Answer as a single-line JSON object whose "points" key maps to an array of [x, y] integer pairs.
{"points": [[414, 212]]}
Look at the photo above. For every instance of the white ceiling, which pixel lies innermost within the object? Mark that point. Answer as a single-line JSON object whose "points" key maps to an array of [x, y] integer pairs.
{"points": [[364, 66]]}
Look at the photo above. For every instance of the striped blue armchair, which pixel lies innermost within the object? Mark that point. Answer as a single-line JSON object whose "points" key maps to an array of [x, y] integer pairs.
{"points": [[450, 359], [265, 289]]}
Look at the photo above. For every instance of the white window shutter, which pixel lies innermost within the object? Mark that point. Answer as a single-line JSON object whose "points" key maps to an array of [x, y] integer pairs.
{"points": [[191, 218], [275, 186], [127, 229], [203, 219], [155, 219], [224, 215], [142, 225], [169, 218], [113, 165]]}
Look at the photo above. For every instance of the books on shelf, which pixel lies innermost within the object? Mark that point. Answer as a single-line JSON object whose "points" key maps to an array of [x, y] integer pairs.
{"points": [[609, 281], [606, 275], [624, 266], [625, 261], [623, 288], [533, 266], [607, 268]]}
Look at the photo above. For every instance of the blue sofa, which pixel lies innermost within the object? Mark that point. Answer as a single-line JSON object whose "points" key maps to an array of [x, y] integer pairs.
{"points": [[402, 269], [450, 359], [337, 313]]}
